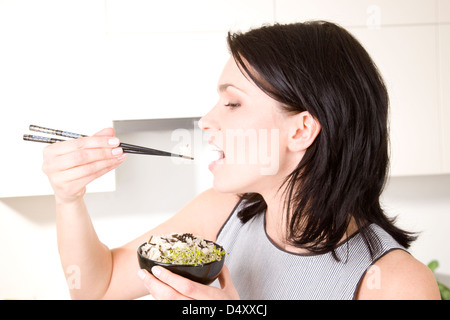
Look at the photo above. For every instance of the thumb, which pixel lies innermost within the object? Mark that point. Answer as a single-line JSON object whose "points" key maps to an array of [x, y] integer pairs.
{"points": [[224, 277], [225, 281], [107, 132]]}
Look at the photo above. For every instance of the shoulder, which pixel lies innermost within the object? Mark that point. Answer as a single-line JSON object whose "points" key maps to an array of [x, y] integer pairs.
{"points": [[398, 275], [212, 198], [211, 203], [206, 213], [214, 208]]}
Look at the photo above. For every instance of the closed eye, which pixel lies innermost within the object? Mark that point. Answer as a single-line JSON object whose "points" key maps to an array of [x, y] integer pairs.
{"points": [[232, 105]]}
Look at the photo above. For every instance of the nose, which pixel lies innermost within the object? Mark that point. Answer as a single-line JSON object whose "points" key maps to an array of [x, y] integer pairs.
{"points": [[209, 121]]}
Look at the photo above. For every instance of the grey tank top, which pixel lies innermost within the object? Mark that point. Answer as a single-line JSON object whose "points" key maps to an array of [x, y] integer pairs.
{"points": [[261, 270]]}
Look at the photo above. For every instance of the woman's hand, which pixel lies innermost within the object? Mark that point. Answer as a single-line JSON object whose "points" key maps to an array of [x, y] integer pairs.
{"points": [[72, 164], [165, 285]]}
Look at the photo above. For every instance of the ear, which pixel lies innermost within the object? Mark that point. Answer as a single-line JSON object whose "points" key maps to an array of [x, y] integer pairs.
{"points": [[303, 130]]}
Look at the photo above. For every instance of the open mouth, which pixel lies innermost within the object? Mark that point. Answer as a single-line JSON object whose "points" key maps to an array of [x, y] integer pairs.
{"points": [[215, 155], [219, 154]]}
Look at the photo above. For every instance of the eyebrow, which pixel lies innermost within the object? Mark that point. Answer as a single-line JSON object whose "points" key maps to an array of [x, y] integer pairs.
{"points": [[225, 86]]}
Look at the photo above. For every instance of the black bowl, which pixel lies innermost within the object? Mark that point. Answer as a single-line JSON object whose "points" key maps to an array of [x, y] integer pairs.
{"points": [[203, 273]]}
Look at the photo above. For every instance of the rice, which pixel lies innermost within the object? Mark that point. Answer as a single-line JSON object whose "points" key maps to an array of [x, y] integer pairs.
{"points": [[180, 249], [186, 150]]}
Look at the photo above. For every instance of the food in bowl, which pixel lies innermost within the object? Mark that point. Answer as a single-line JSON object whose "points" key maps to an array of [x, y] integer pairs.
{"points": [[184, 254], [181, 249]]}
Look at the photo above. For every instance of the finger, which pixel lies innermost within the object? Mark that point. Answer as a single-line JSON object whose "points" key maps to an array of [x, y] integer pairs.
{"points": [[93, 169], [182, 285], [68, 146], [158, 289], [74, 187], [107, 132], [84, 156], [89, 178], [83, 174], [226, 283], [224, 277]]}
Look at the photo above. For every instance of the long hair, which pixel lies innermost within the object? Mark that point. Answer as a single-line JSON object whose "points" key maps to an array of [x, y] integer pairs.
{"points": [[319, 67]]}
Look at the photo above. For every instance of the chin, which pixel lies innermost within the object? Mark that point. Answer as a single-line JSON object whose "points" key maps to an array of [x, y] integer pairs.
{"points": [[225, 188], [233, 184]]}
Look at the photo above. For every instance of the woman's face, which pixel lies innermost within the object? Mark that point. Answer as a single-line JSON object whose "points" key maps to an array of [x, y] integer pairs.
{"points": [[248, 130]]}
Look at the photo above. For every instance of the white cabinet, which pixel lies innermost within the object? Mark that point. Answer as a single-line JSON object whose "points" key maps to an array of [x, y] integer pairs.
{"points": [[51, 74], [406, 57], [155, 76], [167, 56], [20, 165], [444, 79], [443, 11], [412, 52]]}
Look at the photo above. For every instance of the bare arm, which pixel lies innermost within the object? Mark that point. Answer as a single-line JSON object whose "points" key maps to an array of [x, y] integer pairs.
{"points": [[106, 273], [79, 247], [70, 166], [398, 276]]}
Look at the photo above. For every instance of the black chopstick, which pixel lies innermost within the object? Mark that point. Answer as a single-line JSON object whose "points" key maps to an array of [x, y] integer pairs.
{"points": [[127, 148]]}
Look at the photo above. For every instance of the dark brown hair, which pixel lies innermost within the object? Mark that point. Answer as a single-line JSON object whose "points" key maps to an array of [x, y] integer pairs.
{"points": [[321, 68]]}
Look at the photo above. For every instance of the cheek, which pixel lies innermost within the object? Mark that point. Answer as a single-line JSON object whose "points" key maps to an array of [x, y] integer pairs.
{"points": [[258, 150], [250, 156]]}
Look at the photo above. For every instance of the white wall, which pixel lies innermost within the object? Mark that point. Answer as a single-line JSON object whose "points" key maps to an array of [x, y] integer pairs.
{"points": [[422, 204], [148, 190]]}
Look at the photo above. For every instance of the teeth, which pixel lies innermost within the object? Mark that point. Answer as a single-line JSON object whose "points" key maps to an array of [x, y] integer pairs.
{"points": [[213, 153], [216, 155], [221, 154]]}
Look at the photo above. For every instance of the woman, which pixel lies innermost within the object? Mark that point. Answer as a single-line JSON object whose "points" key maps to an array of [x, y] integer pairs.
{"points": [[307, 223]]}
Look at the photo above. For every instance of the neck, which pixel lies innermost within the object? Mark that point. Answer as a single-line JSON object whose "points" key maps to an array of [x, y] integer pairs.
{"points": [[275, 218], [276, 223]]}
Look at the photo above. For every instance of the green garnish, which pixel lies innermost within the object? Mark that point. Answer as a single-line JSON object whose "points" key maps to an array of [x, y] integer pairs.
{"points": [[182, 249], [193, 256]]}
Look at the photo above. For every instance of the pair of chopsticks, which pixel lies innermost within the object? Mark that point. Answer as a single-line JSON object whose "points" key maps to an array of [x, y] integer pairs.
{"points": [[127, 148]]}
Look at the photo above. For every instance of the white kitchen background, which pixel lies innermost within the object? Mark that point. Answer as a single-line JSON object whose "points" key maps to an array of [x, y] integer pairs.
{"points": [[149, 68]]}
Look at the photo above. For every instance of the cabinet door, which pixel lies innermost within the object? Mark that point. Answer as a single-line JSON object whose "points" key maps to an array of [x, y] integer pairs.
{"points": [[51, 74], [21, 161], [55, 84], [158, 76], [444, 77], [406, 57], [404, 40], [165, 57], [443, 8]]}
